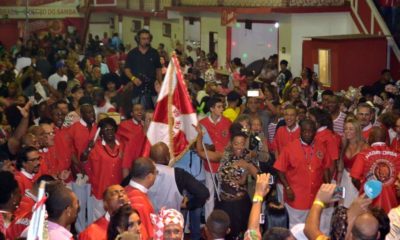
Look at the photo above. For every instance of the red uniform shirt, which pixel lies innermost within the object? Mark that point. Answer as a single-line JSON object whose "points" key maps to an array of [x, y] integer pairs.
{"points": [[284, 136], [365, 132], [395, 146], [50, 159], [26, 180], [22, 215], [380, 163], [303, 166], [132, 136], [141, 202], [63, 149], [80, 136], [96, 230], [328, 140], [219, 134], [104, 167]]}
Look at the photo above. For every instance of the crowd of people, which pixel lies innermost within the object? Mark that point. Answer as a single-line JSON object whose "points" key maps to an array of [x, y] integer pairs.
{"points": [[273, 149]]}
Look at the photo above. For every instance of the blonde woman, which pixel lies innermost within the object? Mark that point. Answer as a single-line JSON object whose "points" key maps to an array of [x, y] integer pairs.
{"points": [[353, 143]]}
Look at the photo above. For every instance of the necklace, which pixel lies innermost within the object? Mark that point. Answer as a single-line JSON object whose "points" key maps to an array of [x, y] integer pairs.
{"points": [[111, 154]]}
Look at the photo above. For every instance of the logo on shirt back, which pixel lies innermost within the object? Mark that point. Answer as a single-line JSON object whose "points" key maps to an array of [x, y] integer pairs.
{"points": [[383, 171]]}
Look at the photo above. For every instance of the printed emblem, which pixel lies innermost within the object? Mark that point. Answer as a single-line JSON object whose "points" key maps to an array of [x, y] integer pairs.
{"points": [[382, 170]]}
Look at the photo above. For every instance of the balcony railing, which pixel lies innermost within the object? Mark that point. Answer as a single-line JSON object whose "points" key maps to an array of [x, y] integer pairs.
{"points": [[157, 5], [263, 3]]}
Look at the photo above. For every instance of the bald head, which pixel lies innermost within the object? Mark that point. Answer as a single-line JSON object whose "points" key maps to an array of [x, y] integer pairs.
{"points": [[159, 152], [377, 134], [365, 227]]}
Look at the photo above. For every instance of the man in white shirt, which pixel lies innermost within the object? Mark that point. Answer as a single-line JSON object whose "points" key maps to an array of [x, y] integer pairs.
{"points": [[59, 75]]}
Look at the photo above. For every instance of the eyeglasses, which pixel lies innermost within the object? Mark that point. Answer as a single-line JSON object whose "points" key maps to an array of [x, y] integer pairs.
{"points": [[50, 133]]}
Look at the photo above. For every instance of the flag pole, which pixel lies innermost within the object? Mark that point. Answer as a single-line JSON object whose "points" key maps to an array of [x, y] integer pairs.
{"points": [[37, 228], [212, 177]]}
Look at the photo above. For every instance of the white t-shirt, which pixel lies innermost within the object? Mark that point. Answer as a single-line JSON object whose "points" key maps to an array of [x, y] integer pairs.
{"points": [[55, 79]]}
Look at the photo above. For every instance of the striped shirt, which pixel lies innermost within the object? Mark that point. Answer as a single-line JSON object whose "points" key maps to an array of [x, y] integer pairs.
{"points": [[271, 131], [338, 123]]}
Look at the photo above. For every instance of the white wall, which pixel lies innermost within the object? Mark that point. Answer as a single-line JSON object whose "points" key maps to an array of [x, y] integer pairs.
{"points": [[316, 24], [99, 29], [192, 32], [259, 42]]}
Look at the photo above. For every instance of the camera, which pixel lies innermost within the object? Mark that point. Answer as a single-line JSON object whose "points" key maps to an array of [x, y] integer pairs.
{"points": [[254, 142]]}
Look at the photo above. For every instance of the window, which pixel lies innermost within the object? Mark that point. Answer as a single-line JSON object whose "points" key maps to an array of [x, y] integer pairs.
{"points": [[166, 29], [324, 67], [136, 26]]}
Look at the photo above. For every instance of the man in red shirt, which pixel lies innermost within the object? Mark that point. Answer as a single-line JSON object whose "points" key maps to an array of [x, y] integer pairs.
{"points": [[82, 133], [114, 197], [364, 115], [143, 175], [301, 167], [286, 134], [48, 153], [62, 145], [132, 135], [217, 127], [28, 165], [378, 162], [326, 137]]}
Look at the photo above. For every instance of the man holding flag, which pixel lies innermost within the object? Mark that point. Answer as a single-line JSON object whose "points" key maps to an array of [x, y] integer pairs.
{"points": [[174, 115]]}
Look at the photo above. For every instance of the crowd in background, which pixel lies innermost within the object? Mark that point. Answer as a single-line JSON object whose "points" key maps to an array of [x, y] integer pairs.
{"points": [[273, 147]]}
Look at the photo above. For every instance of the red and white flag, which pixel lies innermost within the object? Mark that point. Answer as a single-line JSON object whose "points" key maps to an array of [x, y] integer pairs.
{"points": [[174, 114]]}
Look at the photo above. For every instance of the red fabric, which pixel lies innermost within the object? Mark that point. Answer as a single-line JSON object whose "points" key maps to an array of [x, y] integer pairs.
{"points": [[303, 166], [328, 139], [112, 63], [365, 134], [2, 224], [23, 215], [103, 169], [378, 162], [142, 204], [80, 136], [174, 113], [63, 150], [24, 183], [283, 137], [219, 134], [348, 163], [395, 146], [133, 138], [50, 160], [95, 231]]}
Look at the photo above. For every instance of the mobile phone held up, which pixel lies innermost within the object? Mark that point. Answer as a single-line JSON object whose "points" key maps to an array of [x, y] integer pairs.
{"points": [[339, 193], [253, 93]]}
